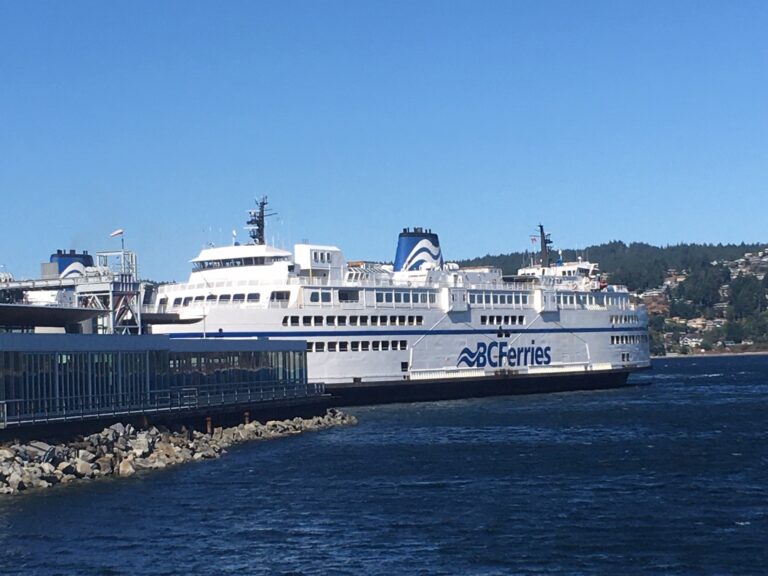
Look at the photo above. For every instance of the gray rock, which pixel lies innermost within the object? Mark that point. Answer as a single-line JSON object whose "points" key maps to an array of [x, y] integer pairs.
{"points": [[86, 456], [118, 428], [94, 440], [106, 465], [83, 468], [39, 483], [143, 464], [165, 449], [38, 448], [125, 468], [140, 445], [7, 454], [15, 482]]}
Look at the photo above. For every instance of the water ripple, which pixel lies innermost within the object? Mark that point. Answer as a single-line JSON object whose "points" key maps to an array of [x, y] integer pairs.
{"points": [[662, 479]]}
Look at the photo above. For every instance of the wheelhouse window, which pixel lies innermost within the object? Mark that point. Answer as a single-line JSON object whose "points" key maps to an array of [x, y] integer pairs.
{"points": [[322, 296], [280, 296], [349, 296]]}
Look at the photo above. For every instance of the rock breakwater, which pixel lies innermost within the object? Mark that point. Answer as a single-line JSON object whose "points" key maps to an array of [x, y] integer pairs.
{"points": [[122, 450]]}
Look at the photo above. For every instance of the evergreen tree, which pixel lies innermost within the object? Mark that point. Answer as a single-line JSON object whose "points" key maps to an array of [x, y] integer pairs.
{"points": [[747, 297]]}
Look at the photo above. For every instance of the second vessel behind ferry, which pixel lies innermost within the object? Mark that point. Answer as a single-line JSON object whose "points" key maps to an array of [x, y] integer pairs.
{"points": [[415, 330]]}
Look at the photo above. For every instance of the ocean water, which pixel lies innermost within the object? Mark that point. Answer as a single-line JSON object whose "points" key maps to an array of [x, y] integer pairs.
{"points": [[665, 478]]}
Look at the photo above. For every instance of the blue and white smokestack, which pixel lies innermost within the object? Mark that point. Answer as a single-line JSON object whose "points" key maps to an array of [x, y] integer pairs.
{"points": [[417, 248]]}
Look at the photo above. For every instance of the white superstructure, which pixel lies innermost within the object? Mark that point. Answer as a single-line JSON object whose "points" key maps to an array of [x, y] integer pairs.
{"points": [[419, 319]]}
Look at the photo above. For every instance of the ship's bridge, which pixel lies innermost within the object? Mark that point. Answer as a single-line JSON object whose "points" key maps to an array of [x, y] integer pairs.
{"points": [[238, 256]]}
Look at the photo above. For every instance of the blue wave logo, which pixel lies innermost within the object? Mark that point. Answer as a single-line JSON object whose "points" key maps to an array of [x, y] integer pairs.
{"points": [[469, 358], [424, 252]]}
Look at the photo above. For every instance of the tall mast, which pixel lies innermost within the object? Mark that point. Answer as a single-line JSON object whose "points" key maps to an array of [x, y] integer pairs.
{"points": [[256, 219], [545, 244]]}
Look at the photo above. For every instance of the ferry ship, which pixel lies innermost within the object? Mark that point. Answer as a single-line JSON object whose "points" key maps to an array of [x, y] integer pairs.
{"points": [[417, 329]]}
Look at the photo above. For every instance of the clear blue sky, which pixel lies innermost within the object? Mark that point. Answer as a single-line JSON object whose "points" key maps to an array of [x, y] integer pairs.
{"points": [[616, 120]]}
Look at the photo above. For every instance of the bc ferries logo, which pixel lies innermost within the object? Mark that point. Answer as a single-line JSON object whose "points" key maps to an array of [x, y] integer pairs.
{"points": [[425, 252], [500, 354]]}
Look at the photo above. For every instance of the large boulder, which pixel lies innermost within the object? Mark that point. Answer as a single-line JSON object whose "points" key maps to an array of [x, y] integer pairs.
{"points": [[66, 467], [166, 449], [118, 428], [125, 468], [141, 445], [86, 456], [15, 482], [83, 469], [106, 465]]}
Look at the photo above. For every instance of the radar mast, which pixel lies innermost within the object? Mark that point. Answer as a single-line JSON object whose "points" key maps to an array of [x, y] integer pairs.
{"points": [[256, 219], [546, 242]]}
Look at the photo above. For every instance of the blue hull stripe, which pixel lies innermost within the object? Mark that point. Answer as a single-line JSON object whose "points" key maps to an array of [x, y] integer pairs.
{"points": [[287, 333]]}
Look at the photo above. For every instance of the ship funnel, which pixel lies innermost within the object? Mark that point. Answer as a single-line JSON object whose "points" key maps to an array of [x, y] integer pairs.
{"points": [[416, 249]]}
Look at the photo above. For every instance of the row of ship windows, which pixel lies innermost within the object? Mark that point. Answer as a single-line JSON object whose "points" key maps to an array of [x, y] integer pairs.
{"points": [[388, 296], [492, 298], [323, 257], [405, 297], [358, 346], [629, 339], [353, 320], [253, 297], [501, 320], [628, 319], [414, 297], [237, 262]]}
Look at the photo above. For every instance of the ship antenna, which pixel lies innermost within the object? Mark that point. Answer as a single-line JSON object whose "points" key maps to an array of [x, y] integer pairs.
{"points": [[256, 219]]}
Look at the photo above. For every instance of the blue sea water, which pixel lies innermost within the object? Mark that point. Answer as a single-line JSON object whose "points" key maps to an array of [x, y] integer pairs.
{"points": [[669, 478]]}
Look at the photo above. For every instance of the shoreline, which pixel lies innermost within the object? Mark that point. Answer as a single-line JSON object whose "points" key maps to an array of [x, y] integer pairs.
{"points": [[712, 355], [121, 450]]}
